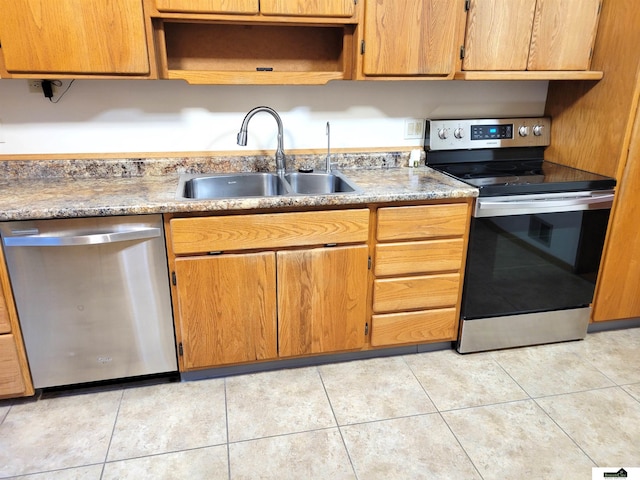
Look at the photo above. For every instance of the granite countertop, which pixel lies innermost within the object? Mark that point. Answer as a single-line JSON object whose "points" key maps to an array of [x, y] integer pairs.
{"points": [[83, 188]]}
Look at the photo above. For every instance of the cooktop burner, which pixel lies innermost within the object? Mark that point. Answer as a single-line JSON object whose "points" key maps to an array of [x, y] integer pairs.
{"points": [[521, 177]]}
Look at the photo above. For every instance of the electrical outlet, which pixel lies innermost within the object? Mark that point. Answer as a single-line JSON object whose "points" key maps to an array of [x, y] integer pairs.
{"points": [[413, 128], [35, 86]]}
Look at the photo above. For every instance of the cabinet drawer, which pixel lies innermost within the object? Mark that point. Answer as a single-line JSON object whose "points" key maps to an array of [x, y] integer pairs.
{"points": [[208, 6], [11, 382], [308, 8], [403, 223], [418, 257], [414, 327], [412, 293], [242, 232]]}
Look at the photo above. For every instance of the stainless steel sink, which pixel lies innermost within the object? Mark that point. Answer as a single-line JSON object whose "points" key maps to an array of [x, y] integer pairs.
{"points": [[237, 185], [198, 186], [319, 183]]}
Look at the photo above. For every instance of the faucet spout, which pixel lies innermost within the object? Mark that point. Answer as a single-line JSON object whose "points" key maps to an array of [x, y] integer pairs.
{"points": [[242, 135]]}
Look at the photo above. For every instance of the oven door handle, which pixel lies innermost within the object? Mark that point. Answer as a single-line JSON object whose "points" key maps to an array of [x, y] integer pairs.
{"points": [[594, 201]]}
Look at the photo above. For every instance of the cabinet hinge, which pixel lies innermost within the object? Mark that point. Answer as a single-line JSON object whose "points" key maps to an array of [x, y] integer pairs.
{"points": [[366, 329], [467, 5], [329, 245], [174, 280], [462, 52], [362, 48], [355, 2], [180, 350], [369, 263]]}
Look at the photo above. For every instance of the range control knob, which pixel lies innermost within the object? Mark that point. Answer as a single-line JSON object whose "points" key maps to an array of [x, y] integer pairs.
{"points": [[537, 130], [442, 134], [523, 131], [458, 133]]}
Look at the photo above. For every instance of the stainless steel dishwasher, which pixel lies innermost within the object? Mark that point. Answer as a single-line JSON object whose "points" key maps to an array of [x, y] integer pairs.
{"points": [[92, 296]]}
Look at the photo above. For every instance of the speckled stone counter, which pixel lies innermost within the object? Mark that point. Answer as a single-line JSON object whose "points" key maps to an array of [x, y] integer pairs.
{"points": [[85, 188]]}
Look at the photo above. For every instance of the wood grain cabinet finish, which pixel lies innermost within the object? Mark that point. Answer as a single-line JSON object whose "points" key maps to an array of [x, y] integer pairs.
{"points": [[227, 308], [74, 37], [209, 6], [11, 381], [418, 267], [322, 295], [411, 38], [308, 8], [295, 297], [517, 35], [5, 324]]}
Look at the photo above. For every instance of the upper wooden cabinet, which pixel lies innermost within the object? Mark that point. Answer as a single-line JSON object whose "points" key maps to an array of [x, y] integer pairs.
{"points": [[411, 38], [73, 37], [250, 42], [530, 35]]}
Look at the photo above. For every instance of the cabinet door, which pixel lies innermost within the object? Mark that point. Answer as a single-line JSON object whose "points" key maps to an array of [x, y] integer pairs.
{"points": [[74, 37], [617, 289], [227, 308], [209, 6], [11, 382], [322, 296], [412, 37], [563, 34], [308, 8], [498, 34]]}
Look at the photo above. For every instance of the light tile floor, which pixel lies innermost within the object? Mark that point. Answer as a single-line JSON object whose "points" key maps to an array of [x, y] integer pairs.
{"points": [[553, 411]]}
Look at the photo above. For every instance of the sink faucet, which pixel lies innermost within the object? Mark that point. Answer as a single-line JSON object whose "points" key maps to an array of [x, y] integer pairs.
{"points": [[242, 135]]}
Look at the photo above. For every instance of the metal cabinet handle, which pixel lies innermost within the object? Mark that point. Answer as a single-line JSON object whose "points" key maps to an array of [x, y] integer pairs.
{"points": [[89, 239]]}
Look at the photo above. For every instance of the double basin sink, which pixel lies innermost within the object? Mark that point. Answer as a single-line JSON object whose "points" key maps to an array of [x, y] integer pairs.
{"points": [[236, 185]]}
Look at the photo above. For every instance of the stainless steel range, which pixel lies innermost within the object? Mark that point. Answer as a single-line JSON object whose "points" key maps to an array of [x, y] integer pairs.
{"points": [[536, 236]]}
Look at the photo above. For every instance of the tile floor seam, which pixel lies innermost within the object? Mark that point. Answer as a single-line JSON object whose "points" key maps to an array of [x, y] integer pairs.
{"points": [[595, 366], [424, 389], [226, 420], [245, 440], [344, 443], [461, 446], [113, 429], [485, 405], [565, 432], [510, 376], [576, 391], [637, 399]]}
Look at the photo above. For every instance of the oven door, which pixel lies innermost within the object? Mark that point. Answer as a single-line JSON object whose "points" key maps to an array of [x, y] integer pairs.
{"points": [[533, 254]]}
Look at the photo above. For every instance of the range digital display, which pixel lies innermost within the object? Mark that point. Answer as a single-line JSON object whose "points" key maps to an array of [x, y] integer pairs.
{"points": [[488, 132]]}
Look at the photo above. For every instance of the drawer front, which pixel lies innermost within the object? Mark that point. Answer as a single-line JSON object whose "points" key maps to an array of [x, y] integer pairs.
{"points": [[418, 257], [208, 6], [308, 8], [427, 221], [413, 293], [242, 232], [414, 327]]}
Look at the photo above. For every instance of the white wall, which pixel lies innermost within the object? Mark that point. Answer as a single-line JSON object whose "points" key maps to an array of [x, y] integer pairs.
{"points": [[155, 116]]}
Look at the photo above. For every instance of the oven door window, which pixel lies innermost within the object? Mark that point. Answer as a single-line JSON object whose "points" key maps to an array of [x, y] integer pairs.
{"points": [[532, 263]]}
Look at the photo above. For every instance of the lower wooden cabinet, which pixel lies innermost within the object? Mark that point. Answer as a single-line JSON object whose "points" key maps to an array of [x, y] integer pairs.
{"points": [[297, 296], [322, 295], [227, 308], [11, 381], [418, 267], [15, 379]]}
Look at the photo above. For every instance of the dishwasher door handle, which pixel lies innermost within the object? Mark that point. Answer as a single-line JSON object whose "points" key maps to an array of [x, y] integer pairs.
{"points": [[75, 240]]}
